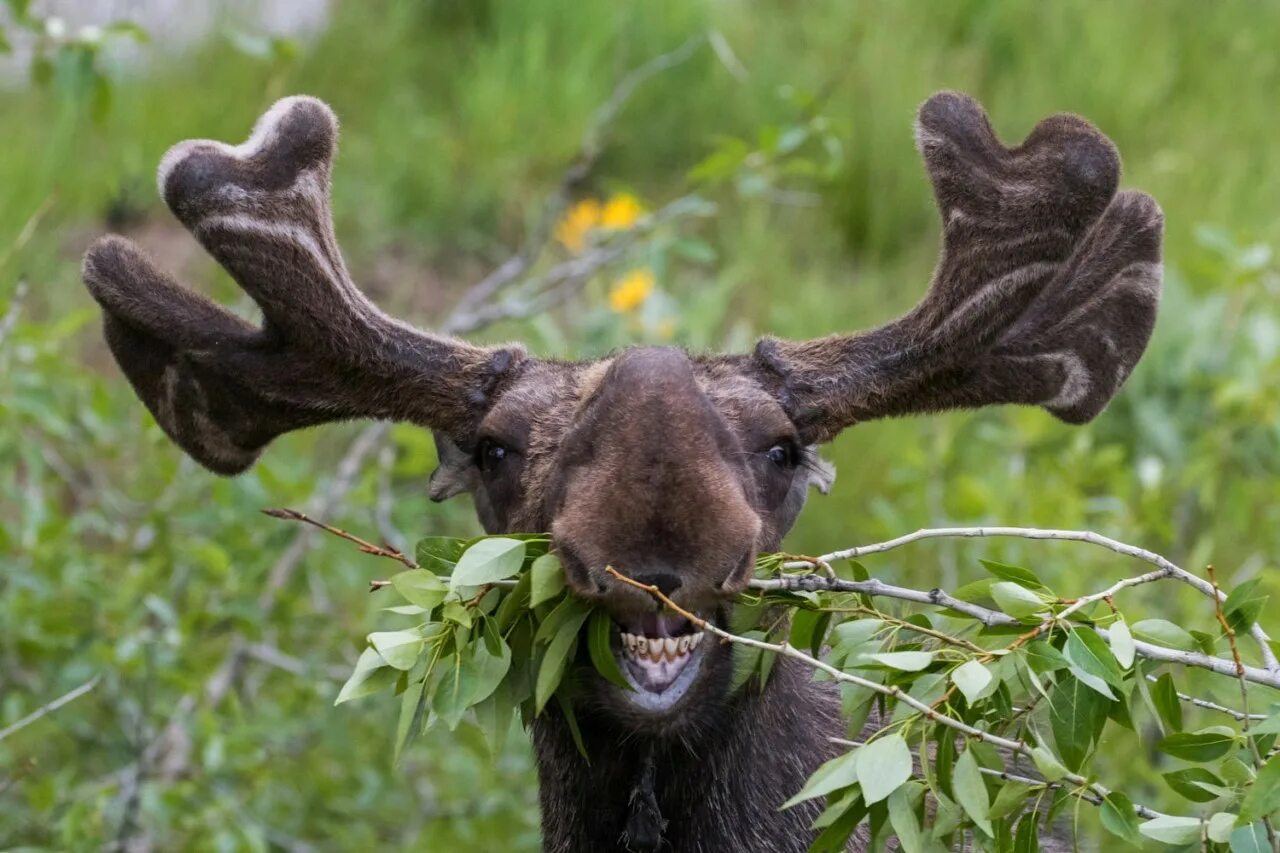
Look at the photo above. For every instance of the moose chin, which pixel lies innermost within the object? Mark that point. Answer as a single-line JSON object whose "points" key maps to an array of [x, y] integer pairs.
{"points": [[676, 467]]}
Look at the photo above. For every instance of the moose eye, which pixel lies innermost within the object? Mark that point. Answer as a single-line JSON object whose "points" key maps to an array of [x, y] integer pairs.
{"points": [[490, 454], [784, 456]]}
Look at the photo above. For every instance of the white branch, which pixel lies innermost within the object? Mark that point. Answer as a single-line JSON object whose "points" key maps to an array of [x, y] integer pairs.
{"points": [[1271, 664], [50, 707]]}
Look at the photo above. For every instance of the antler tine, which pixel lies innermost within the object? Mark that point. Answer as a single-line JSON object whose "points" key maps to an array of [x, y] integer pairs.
{"points": [[1045, 292], [222, 388]]}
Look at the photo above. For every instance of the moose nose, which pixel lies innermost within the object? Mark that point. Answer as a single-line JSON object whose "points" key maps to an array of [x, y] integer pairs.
{"points": [[666, 582]]}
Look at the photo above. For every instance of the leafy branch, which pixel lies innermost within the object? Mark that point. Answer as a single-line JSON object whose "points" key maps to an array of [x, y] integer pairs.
{"points": [[502, 631]]}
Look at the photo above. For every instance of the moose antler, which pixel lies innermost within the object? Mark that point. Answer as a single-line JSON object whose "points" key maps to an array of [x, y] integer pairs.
{"points": [[1045, 293], [223, 388]]}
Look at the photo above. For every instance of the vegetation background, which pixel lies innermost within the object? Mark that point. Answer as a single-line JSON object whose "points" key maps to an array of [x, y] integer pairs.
{"points": [[121, 560]]}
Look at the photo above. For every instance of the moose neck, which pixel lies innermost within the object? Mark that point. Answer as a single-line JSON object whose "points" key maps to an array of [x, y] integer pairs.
{"points": [[714, 786]]}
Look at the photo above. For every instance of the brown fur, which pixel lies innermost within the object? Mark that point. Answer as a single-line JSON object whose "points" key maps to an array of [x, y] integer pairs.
{"points": [[675, 468]]}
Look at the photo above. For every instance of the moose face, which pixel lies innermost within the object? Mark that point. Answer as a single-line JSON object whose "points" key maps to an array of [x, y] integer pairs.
{"points": [[671, 468]]}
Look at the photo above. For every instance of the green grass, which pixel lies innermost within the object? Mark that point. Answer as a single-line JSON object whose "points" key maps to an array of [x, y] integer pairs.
{"points": [[458, 120]]}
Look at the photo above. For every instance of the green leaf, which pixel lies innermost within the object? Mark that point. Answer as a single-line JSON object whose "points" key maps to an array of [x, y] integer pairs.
{"points": [[1164, 695], [371, 675], [457, 612], [1202, 746], [559, 653], [1221, 826], [1269, 726], [905, 661], [439, 554], [971, 791], [1119, 818], [1048, 765], [420, 587], [547, 579], [883, 765], [1251, 839], [1196, 784], [569, 609], [600, 645], [902, 817], [1087, 651], [1018, 601], [1164, 633], [1122, 643], [1044, 658], [1015, 574], [1027, 838], [1011, 797], [1077, 714], [1244, 604], [571, 720], [399, 649], [485, 665], [839, 772], [514, 604], [1171, 829], [1263, 797], [973, 679], [487, 561], [412, 704], [746, 660]]}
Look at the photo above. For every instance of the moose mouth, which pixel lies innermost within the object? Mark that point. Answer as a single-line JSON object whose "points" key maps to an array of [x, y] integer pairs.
{"points": [[660, 654]]}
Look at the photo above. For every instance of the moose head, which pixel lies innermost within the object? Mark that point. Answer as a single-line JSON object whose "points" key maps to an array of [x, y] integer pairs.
{"points": [[674, 467]]}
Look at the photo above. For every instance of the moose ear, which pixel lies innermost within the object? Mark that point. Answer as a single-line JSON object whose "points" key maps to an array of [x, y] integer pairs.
{"points": [[455, 473], [822, 474]]}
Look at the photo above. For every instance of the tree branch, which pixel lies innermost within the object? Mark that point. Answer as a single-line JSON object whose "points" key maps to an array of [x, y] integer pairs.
{"points": [[787, 650], [50, 707], [1271, 664]]}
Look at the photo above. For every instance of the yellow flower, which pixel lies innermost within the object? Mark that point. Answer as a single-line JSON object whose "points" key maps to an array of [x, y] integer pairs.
{"points": [[577, 223], [631, 291], [621, 211]]}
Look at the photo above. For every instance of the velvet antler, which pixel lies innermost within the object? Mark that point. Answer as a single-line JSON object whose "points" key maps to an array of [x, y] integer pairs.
{"points": [[223, 388], [1045, 293]]}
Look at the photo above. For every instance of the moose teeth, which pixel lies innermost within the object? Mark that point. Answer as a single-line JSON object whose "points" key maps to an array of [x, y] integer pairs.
{"points": [[659, 648]]}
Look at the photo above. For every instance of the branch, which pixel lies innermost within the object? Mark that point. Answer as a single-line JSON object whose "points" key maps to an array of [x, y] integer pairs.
{"points": [[556, 285], [50, 707], [787, 650], [365, 546], [1084, 794], [994, 618], [1212, 706], [10, 318], [589, 151], [1272, 665]]}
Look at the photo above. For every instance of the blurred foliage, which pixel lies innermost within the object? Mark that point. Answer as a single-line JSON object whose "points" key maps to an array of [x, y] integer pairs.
{"points": [[120, 558]]}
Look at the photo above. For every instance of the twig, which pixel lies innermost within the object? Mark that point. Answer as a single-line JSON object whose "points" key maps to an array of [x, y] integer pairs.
{"points": [[787, 650], [28, 230], [1087, 795], [1270, 662], [1244, 690], [941, 636], [589, 151], [10, 318], [565, 279], [994, 618], [1211, 706], [365, 547], [50, 707]]}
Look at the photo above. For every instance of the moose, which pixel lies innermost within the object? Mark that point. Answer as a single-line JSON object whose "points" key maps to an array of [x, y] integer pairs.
{"points": [[675, 467]]}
